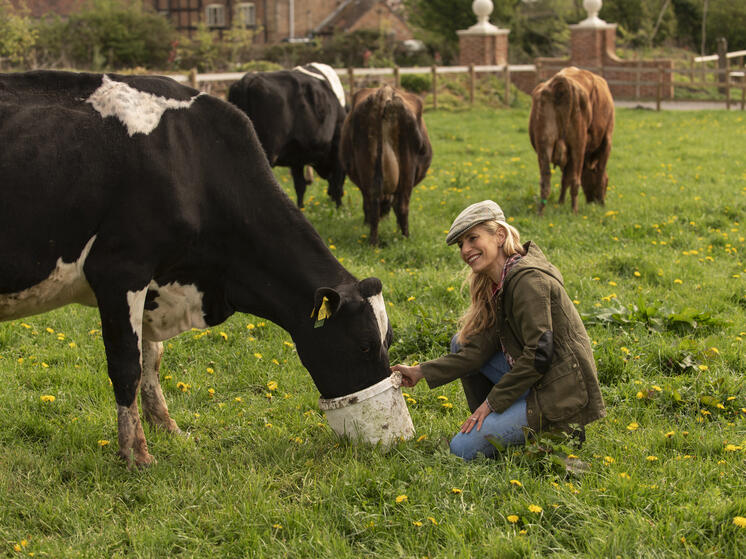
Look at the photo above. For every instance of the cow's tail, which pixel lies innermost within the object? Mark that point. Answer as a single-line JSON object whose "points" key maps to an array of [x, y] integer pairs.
{"points": [[385, 201]]}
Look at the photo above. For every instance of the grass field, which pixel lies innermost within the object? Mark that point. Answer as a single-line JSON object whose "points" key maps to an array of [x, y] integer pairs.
{"points": [[658, 275]]}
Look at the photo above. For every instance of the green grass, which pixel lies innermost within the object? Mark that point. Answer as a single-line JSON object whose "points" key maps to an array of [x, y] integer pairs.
{"points": [[658, 274]]}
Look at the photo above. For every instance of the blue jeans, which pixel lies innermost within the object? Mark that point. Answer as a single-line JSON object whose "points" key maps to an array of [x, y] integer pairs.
{"points": [[506, 427]]}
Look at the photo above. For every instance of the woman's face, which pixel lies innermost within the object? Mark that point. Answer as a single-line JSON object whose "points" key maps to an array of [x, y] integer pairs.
{"points": [[482, 250]]}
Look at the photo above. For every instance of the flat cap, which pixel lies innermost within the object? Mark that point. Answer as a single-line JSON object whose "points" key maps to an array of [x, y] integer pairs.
{"points": [[474, 215]]}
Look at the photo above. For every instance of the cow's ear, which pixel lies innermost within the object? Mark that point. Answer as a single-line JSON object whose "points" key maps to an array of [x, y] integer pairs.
{"points": [[326, 303], [369, 287]]}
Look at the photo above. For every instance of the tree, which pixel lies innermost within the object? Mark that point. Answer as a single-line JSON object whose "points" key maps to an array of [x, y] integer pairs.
{"points": [[17, 34]]}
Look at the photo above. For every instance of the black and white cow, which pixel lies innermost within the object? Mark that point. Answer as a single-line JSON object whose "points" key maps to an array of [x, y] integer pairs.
{"points": [[298, 116], [156, 204]]}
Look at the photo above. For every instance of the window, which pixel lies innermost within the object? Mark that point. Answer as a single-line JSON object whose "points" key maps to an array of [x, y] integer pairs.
{"points": [[215, 15], [246, 14]]}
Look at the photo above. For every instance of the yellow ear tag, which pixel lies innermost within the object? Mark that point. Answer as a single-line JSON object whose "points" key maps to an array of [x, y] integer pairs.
{"points": [[325, 312]]}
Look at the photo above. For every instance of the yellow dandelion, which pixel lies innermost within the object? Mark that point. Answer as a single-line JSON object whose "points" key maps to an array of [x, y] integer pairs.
{"points": [[250, 326], [277, 526], [444, 398], [50, 330], [455, 490], [47, 398], [669, 434], [535, 509], [732, 448], [421, 438], [401, 498], [516, 483], [624, 475], [238, 399], [652, 458], [640, 395], [272, 385], [703, 367], [739, 521], [431, 519], [513, 518], [447, 405], [224, 335], [103, 442], [258, 355], [411, 400], [417, 523], [411, 298], [210, 371], [677, 280], [608, 460], [633, 426]]}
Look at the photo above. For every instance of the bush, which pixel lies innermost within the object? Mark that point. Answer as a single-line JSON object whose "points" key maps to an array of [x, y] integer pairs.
{"points": [[17, 34], [417, 83], [107, 34]]}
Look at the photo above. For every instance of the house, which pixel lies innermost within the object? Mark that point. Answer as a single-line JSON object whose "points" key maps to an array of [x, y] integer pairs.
{"points": [[286, 20]]}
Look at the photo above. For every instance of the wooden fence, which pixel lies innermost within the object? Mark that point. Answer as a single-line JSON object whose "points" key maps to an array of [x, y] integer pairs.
{"points": [[642, 79]]}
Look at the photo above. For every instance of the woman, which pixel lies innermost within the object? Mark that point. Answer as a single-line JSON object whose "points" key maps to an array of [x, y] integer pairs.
{"points": [[522, 352]]}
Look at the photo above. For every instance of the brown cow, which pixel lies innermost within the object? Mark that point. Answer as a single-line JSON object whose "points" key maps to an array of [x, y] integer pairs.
{"points": [[385, 151], [571, 122]]}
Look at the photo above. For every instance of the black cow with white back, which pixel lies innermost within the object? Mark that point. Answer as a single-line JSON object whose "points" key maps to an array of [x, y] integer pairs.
{"points": [[155, 203], [298, 116]]}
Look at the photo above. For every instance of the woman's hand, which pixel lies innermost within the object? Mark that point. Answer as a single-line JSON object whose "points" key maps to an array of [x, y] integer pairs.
{"points": [[409, 375], [477, 418]]}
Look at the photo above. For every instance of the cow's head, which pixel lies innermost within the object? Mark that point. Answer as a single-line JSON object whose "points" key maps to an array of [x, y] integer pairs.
{"points": [[345, 344]]}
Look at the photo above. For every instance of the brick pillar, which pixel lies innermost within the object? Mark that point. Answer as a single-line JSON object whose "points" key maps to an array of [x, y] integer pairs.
{"points": [[483, 47], [592, 45]]}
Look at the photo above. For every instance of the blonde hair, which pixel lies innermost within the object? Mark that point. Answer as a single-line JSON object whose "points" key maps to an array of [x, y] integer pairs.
{"points": [[482, 313]]}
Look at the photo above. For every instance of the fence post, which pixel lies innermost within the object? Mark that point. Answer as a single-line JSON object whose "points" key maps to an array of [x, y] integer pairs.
{"points": [[507, 84], [691, 70], [193, 77], [351, 79], [472, 83], [397, 78], [659, 90], [637, 80], [435, 86], [727, 84], [722, 61]]}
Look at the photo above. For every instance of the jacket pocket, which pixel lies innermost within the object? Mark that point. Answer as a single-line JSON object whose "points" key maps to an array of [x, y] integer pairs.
{"points": [[562, 393]]}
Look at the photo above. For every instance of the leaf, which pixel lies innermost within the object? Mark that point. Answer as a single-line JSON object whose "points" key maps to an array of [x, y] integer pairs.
{"points": [[709, 401]]}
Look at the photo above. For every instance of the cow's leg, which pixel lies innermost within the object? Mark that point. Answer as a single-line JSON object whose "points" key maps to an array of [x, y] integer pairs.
{"points": [[566, 181], [573, 177], [546, 183], [121, 324], [335, 188], [120, 285], [374, 216], [154, 407], [299, 181], [596, 191], [401, 209]]}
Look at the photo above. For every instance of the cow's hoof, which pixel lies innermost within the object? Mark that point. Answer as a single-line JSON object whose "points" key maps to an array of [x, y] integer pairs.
{"points": [[138, 461]]}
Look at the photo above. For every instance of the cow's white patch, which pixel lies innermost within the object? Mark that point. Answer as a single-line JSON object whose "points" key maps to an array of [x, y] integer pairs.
{"points": [[139, 111], [65, 284], [331, 77], [179, 308], [136, 303], [379, 310]]}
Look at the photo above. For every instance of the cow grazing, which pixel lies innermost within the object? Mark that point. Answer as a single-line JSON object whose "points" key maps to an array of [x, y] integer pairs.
{"points": [[155, 203], [386, 152], [298, 116], [571, 122]]}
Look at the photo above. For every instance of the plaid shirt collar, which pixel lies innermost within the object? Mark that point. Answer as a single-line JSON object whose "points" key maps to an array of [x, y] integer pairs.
{"points": [[509, 263]]}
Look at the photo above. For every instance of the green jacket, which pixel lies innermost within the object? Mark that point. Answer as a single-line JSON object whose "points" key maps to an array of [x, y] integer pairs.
{"points": [[543, 333]]}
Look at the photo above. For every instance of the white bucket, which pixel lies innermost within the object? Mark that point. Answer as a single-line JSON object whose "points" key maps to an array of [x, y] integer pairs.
{"points": [[375, 414]]}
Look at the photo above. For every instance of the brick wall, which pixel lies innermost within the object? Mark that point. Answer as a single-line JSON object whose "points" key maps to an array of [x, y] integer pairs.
{"points": [[483, 49]]}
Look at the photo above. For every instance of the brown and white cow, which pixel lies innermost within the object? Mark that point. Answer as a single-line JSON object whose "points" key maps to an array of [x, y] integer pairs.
{"points": [[571, 122], [385, 151]]}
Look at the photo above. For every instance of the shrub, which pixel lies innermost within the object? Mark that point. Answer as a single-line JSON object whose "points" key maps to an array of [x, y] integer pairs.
{"points": [[417, 83], [107, 34]]}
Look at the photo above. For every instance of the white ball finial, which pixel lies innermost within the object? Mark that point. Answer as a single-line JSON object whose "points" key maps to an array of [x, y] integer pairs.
{"points": [[592, 7], [482, 9]]}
